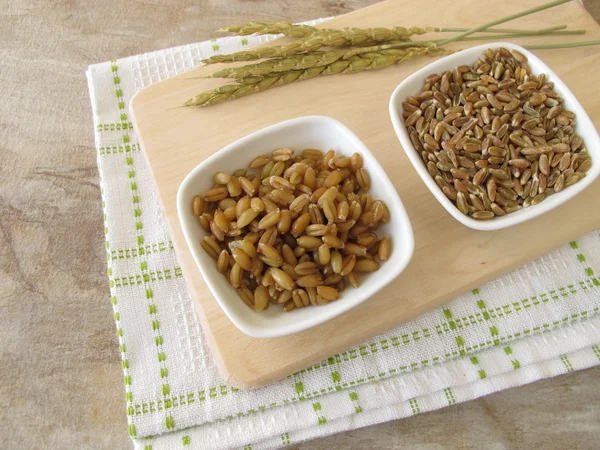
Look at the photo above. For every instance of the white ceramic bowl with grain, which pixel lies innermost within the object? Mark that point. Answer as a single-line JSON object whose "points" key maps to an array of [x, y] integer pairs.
{"points": [[584, 127], [304, 132]]}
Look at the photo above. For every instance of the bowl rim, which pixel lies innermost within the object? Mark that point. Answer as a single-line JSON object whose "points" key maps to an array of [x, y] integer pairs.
{"points": [[238, 320], [508, 220]]}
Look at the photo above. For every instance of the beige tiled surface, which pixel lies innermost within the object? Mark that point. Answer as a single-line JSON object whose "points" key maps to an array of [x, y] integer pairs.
{"points": [[60, 377]]}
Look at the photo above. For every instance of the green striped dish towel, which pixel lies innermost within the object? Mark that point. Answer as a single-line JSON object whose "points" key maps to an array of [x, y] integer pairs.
{"points": [[539, 321]]}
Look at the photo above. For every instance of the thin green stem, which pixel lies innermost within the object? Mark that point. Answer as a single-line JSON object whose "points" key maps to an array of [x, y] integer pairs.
{"points": [[472, 38], [511, 36], [502, 20], [504, 30], [565, 45]]}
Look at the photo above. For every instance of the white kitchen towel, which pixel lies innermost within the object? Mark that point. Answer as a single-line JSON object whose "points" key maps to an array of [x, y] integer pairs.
{"points": [[539, 321]]}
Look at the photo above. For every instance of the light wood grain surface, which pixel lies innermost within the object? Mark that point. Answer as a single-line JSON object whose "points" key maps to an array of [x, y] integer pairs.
{"points": [[60, 378], [439, 239]]}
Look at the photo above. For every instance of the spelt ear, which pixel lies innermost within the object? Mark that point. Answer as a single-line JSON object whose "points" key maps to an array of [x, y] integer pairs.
{"points": [[257, 82], [294, 62], [324, 38], [258, 28]]}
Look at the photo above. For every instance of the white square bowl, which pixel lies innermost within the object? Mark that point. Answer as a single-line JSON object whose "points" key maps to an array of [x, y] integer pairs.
{"points": [[584, 127], [304, 132]]}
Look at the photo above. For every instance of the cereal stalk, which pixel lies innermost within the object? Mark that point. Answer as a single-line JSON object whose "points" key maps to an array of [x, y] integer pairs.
{"points": [[502, 20], [301, 31], [358, 63], [326, 38], [254, 79], [565, 45], [306, 60], [553, 31], [482, 28], [511, 36]]}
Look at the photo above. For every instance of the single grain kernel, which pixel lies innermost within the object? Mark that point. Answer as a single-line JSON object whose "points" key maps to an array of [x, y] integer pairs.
{"points": [[259, 161], [366, 265], [247, 186], [356, 162], [353, 279], [299, 203], [261, 298], [247, 296], [269, 220], [242, 258], [235, 277], [285, 221], [257, 204], [215, 194], [288, 255], [336, 261], [197, 205], [246, 217], [384, 250], [328, 293], [221, 220], [312, 280], [204, 222], [300, 224], [284, 296], [282, 278], [223, 261], [333, 241], [348, 263], [310, 243], [306, 268], [324, 254], [221, 178], [317, 229]]}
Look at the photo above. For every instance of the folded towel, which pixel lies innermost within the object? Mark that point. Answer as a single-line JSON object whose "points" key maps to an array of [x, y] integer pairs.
{"points": [[536, 322]]}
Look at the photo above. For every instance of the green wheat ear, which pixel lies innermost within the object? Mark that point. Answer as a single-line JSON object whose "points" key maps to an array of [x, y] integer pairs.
{"points": [[323, 38], [358, 63]]}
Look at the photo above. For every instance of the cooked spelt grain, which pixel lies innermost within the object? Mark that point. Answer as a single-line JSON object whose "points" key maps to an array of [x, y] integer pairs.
{"points": [[282, 278], [247, 296], [328, 293], [384, 249], [312, 280], [205, 221], [274, 231], [235, 277], [300, 224], [332, 279], [246, 217], [366, 265], [261, 298], [215, 194], [197, 205]]}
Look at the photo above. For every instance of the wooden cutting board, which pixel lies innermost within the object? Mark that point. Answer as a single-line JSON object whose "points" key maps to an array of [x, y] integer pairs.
{"points": [[449, 259]]}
